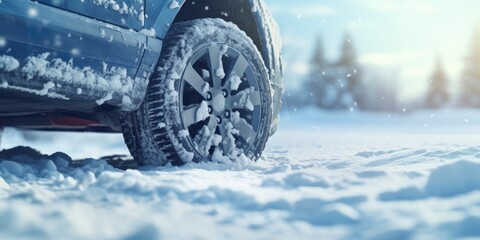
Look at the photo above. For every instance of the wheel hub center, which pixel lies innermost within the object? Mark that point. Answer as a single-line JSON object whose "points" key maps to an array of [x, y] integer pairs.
{"points": [[218, 103]]}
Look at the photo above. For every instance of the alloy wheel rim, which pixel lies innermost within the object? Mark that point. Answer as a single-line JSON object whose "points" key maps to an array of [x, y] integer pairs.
{"points": [[220, 102]]}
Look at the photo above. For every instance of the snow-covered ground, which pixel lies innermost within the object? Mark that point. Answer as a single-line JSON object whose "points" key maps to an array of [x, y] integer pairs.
{"points": [[323, 176]]}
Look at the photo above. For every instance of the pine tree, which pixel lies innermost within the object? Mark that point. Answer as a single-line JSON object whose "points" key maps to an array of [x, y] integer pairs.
{"points": [[470, 92], [321, 82], [335, 86], [347, 71], [348, 55], [437, 95], [318, 59]]}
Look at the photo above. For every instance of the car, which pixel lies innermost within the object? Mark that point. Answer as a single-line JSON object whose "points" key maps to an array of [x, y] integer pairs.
{"points": [[184, 81]]}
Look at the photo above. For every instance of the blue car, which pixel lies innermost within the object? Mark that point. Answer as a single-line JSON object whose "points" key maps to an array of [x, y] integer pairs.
{"points": [[184, 81]]}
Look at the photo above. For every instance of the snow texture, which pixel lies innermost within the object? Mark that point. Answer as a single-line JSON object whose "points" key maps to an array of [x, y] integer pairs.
{"points": [[120, 7], [245, 99], [174, 4], [148, 32], [323, 176], [202, 112], [235, 82], [113, 80], [8, 63]]}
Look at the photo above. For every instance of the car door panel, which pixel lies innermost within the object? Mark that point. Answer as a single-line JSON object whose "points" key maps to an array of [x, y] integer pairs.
{"points": [[125, 13], [73, 34], [30, 29]]}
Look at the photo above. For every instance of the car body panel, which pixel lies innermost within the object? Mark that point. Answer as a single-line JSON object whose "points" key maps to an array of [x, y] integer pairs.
{"points": [[125, 13], [79, 42]]}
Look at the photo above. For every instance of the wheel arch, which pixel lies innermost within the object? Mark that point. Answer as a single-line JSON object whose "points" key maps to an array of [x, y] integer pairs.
{"points": [[236, 11]]}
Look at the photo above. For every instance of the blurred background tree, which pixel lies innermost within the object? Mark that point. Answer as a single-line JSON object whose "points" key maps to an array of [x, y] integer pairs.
{"points": [[470, 89], [317, 81], [437, 95], [334, 86], [380, 92], [348, 75], [338, 85]]}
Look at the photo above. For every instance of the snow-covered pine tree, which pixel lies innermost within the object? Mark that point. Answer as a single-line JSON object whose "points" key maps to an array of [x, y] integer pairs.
{"points": [[437, 95], [470, 91], [334, 86], [321, 85], [347, 73]]}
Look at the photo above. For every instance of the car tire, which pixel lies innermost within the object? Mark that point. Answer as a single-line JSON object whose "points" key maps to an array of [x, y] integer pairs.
{"points": [[210, 99]]}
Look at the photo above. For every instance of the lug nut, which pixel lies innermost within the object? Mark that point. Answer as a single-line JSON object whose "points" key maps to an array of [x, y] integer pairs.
{"points": [[209, 96], [225, 93], [210, 110], [219, 120], [227, 114]]}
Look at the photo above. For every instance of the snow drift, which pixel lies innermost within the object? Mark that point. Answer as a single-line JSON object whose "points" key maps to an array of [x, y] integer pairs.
{"points": [[310, 184]]}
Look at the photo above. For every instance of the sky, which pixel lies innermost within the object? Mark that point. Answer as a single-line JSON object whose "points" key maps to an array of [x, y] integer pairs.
{"points": [[397, 40]]}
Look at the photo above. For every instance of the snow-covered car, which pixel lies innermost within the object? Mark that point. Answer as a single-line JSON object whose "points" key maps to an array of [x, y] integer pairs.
{"points": [[184, 81]]}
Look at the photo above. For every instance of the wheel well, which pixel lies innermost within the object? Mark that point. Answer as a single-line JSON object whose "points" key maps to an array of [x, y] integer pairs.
{"points": [[235, 11]]}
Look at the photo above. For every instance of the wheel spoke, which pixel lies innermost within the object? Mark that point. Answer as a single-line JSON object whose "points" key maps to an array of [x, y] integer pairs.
{"points": [[239, 67], [189, 115], [226, 145], [245, 130], [241, 100], [195, 80], [216, 67], [212, 125], [235, 115]]}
